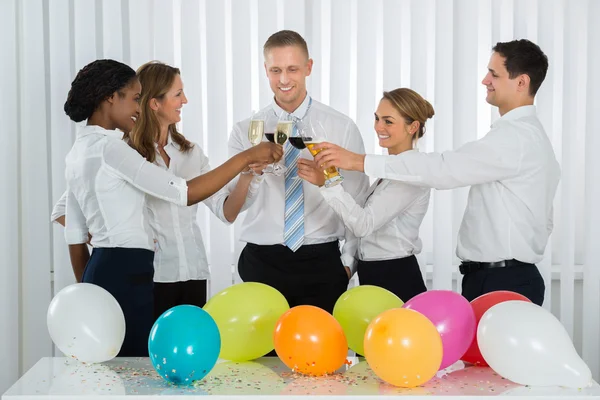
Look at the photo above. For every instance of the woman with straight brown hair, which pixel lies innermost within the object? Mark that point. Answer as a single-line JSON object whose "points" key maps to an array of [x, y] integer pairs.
{"points": [[387, 218], [180, 264]]}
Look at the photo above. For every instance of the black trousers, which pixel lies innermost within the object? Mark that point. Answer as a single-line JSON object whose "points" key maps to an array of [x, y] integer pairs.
{"points": [[169, 295], [522, 279], [127, 274], [313, 275], [400, 276]]}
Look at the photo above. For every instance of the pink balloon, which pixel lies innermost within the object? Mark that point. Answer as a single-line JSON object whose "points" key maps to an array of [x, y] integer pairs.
{"points": [[454, 318]]}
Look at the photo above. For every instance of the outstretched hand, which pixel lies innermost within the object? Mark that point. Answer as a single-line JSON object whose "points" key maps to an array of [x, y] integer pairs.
{"points": [[332, 155]]}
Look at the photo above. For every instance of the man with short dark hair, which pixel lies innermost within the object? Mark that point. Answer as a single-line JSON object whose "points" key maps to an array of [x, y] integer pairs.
{"points": [[512, 171]]}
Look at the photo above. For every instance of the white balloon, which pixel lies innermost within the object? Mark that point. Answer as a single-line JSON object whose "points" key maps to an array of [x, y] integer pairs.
{"points": [[86, 323], [528, 345]]}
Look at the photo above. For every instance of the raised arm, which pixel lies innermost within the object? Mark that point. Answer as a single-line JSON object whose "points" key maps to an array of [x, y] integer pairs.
{"points": [[495, 157], [155, 181]]}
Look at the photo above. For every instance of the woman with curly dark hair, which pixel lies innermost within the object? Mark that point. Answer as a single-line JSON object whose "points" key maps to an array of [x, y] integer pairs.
{"points": [[107, 182]]}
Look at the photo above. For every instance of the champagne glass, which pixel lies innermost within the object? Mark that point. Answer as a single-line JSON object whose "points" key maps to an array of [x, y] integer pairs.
{"points": [[332, 174], [256, 130], [282, 131]]}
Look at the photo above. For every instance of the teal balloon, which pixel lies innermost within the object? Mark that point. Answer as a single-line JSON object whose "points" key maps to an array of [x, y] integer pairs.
{"points": [[184, 344]]}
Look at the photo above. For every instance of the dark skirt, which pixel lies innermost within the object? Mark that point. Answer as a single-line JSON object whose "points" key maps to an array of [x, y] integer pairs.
{"points": [[400, 276], [128, 275]]}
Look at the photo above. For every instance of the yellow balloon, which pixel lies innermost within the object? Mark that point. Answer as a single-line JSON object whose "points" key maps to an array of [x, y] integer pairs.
{"points": [[357, 307], [246, 315]]}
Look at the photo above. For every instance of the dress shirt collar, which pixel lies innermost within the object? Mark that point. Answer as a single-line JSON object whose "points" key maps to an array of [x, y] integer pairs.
{"points": [[89, 129], [170, 143], [516, 113], [299, 112]]}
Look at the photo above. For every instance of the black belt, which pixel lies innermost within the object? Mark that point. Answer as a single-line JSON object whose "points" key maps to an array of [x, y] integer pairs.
{"points": [[472, 266]]}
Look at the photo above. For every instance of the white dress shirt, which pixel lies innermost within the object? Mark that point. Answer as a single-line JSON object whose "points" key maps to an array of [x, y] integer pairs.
{"points": [[513, 174], [179, 248], [106, 185], [264, 222], [180, 253], [387, 223]]}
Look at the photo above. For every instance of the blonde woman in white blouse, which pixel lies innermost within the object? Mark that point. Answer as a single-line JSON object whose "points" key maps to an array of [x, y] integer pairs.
{"points": [[387, 218]]}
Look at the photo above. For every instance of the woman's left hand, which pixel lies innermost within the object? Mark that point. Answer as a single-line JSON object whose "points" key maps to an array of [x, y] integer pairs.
{"points": [[310, 172]]}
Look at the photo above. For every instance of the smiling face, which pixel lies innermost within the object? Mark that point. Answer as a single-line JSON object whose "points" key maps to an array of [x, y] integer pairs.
{"points": [[394, 133], [287, 68], [168, 108], [502, 91], [125, 106]]}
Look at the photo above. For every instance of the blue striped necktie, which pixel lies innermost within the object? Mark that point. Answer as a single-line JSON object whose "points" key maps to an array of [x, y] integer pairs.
{"points": [[293, 231]]}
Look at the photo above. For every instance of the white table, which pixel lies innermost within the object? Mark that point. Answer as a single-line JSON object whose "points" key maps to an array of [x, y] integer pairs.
{"points": [[134, 378]]}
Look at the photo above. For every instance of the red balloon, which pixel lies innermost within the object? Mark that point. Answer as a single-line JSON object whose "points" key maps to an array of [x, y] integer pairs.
{"points": [[480, 306]]}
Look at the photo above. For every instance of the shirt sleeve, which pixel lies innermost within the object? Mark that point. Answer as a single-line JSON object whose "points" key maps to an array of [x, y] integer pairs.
{"points": [[356, 184], [384, 207], [76, 230], [236, 146], [59, 208], [496, 156], [128, 164]]}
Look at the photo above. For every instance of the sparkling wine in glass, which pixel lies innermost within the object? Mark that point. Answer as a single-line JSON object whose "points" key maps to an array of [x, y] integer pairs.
{"points": [[256, 131]]}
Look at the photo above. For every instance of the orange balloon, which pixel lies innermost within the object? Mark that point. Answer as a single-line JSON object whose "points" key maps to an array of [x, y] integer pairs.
{"points": [[403, 347], [310, 341]]}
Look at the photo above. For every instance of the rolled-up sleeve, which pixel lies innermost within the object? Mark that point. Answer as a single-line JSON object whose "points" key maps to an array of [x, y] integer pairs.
{"points": [[127, 163], [76, 230], [59, 208]]}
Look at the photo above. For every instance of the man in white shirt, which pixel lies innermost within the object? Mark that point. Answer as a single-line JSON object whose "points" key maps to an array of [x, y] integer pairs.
{"points": [[512, 171], [292, 235]]}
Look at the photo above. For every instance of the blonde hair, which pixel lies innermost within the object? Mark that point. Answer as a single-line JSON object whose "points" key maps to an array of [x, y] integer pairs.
{"points": [[156, 79], [412, 107]]}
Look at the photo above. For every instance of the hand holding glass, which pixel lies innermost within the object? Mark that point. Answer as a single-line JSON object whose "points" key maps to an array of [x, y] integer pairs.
{"points": [[332, 174]]}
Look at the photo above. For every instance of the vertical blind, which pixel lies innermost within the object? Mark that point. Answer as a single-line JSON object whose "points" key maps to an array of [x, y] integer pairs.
{"points": [[439, 48]]}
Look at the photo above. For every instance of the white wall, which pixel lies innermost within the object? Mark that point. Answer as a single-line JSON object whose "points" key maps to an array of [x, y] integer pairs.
{"points": [[438, 47]]}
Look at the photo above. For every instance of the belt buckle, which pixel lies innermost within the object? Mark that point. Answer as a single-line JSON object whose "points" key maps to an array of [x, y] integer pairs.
{"points": [[469, 266]]}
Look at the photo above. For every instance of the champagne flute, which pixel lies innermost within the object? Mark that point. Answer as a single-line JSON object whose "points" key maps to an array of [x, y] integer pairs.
{"points": [[283, 130], [256, 131]]}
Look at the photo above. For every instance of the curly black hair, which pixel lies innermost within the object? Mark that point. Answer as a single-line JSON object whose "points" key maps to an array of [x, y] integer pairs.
{"points": [[93, 84]]}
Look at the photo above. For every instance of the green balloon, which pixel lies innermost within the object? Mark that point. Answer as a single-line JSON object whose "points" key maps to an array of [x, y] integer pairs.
{"points": [[246, 315], [357, 307]]}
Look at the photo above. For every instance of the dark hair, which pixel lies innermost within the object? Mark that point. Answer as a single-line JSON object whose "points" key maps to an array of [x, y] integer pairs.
{"points": [[156, 79], [412, 106], [93, 84], [524, 57], [285, 38]]}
